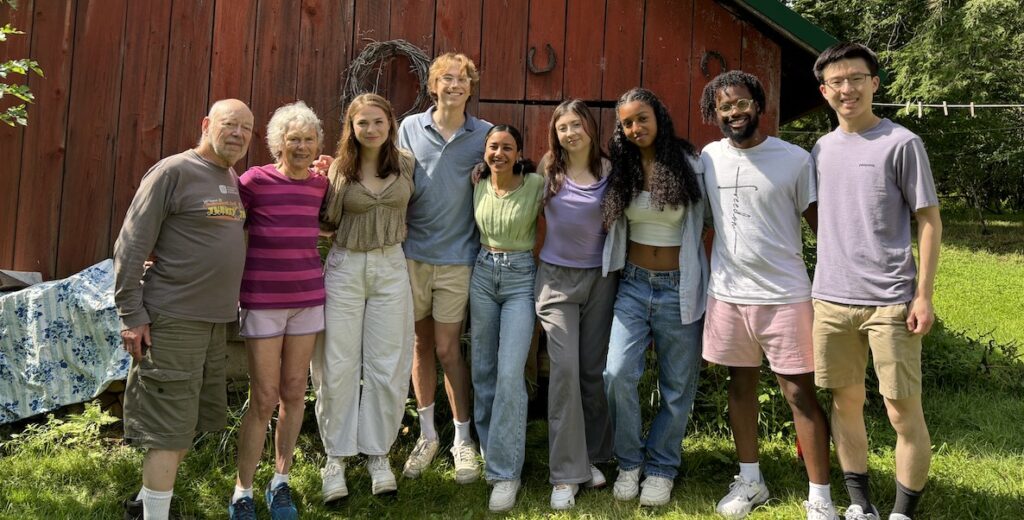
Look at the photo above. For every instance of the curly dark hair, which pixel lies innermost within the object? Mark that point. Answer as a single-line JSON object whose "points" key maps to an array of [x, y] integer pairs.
{"points": [[673, 183], [733, 78]]}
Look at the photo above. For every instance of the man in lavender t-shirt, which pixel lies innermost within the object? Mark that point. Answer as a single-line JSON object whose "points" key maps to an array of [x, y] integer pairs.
{"points": [[868, 295]]}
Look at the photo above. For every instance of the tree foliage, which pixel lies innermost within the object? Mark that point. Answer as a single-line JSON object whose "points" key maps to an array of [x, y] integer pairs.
{"points": [[15, 114], [957, 51]]}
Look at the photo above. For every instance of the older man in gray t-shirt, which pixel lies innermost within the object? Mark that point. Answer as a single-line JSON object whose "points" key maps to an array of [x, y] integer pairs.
{"points": [[873, 175]]}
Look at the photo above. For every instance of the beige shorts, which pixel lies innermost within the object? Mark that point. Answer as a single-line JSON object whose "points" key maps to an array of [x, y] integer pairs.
{"points": [[179, 387], [843, 334], [439, 291]]}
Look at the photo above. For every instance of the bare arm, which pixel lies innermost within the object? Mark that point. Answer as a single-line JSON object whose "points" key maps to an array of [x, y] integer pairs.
{"points": [[811, 216], [921, 315]]}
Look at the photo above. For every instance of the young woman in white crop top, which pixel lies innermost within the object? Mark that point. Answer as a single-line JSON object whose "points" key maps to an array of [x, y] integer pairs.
{"points": [[653, 210]]}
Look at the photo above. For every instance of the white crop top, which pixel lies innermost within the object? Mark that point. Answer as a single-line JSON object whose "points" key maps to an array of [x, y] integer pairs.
{"points": [[652, 227]]}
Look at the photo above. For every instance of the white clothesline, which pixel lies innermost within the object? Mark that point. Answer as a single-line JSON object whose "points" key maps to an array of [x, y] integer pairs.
{"points": [[945, 106]]}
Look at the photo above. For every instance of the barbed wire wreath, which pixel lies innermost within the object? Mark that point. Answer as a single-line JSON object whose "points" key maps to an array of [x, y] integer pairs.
{"points": [[364, 73]]}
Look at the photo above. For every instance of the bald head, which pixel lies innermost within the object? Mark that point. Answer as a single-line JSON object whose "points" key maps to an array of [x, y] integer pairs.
{"points": [[227, 130]]}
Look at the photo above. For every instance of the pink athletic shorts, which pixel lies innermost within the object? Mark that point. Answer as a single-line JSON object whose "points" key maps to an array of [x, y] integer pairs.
{"points": [[735, 335], [270, 323]]}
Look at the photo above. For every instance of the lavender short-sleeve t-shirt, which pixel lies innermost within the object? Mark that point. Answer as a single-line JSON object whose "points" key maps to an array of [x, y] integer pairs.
{"points": [[575, 231], [869, 185]]}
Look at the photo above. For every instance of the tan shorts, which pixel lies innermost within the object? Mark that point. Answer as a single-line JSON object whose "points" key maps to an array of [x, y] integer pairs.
{"points": [[843, 334], [179, 386], [439, 291]]}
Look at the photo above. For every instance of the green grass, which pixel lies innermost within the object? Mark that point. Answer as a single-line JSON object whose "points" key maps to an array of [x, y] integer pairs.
{"points": [[979, 287]]}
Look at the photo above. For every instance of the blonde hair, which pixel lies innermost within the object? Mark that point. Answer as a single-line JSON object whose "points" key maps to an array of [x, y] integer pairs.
{"points": [[439, 67]]}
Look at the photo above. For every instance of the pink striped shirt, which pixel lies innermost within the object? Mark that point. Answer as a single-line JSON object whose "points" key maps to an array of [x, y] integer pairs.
{"points": [[282, 265]]}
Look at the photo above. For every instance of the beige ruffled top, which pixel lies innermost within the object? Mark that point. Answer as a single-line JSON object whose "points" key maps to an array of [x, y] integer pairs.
{"points": [[372, 221]]}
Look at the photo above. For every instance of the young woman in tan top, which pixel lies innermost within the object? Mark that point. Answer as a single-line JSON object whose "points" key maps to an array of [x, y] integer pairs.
{"points": [[369, 314]]}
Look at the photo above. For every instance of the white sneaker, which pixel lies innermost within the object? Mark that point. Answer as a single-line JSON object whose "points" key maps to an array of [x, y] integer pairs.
{"points": [[333, 477], [597, 479], [855, 512], [627, 484], [898, 516], [655, 491], [563, 496], [380, 474], [820, 510], [503, 495], [422, 454], [743, 496], [467, 468]]}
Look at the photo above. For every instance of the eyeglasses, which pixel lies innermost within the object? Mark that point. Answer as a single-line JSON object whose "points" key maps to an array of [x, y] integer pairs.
{"points": [[448, 79], [741, 104], [855, 80]]}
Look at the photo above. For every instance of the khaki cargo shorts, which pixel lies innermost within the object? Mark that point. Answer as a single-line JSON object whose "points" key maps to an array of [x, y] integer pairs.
{"points": [[178, 388], [843, 335]]}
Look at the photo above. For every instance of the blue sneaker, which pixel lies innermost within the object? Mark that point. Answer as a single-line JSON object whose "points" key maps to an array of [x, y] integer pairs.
{"points": [[279, 502], [242, 509]]}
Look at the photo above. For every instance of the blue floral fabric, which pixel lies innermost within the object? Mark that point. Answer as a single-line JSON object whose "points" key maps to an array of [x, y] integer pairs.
{"points": [[60, 343]]}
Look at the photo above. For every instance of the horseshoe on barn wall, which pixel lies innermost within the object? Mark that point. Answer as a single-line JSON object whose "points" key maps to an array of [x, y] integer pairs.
{"points": [[551, 59], [704, 62]]}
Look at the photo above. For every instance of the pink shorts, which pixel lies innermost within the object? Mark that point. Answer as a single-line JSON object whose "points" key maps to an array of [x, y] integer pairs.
{"points": [[735, 335], [270, 323]]}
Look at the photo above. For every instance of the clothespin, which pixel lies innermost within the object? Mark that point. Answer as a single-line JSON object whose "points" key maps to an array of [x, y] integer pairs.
{"points": [[945, 109], [972, 108], [908, 107], [919, 111]]}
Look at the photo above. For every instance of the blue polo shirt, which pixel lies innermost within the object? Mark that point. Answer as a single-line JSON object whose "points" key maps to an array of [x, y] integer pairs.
{"points": [[440, 216]]}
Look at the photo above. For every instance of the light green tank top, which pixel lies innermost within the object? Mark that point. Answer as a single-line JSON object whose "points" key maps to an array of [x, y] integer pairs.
{"points": [[509, 222]]}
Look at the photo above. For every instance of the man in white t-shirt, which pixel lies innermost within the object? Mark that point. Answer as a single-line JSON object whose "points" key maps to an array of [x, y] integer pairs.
{"points": [[759, 294]]}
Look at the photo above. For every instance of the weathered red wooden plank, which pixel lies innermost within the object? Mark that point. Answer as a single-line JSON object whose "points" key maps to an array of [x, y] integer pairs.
{"points": [[53, 36], [607, 121], [584, 49], [536, 119], [623, 47], [667, 36], [502, 113], [546, 31], [503, 61], [412, 21], [16, 47], [140, 122], [325, 41], [716, 32], [234, 50], [274, 77], [188, 74], [763, 58], [373, 23], [457, 27], [84, 236]]}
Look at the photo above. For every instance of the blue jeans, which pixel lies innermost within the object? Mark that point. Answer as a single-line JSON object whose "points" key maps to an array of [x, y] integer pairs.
{"points": [[501, 326], [647, 307]]}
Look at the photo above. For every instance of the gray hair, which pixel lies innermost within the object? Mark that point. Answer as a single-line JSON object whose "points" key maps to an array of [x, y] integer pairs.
{"points": [[297, 112]]}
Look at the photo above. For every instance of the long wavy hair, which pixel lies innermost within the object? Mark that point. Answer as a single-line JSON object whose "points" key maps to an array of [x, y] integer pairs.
{"points": [[673, 182], [348, 147], [556, 160]]}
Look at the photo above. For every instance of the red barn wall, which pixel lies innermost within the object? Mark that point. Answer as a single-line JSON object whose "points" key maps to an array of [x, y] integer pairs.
{"points": [[128, 82]]}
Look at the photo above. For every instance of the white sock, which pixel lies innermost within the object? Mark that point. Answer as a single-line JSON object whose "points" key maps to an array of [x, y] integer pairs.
{"points": [[279, 478], [750, 471], [462, 433], [241, 493], [822, 492], [427, 422], [339, 460], [156, 505]]}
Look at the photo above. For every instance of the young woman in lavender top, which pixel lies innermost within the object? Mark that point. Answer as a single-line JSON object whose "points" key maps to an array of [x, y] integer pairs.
{"points": [[574, 302], [282, 300]]}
